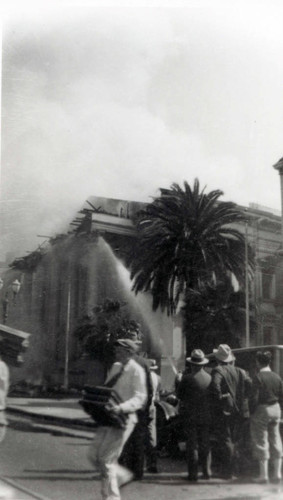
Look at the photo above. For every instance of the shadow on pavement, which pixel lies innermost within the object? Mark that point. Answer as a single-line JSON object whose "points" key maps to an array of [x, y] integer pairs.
{"points": [[61, 471], [52, 477], [29, 426]]}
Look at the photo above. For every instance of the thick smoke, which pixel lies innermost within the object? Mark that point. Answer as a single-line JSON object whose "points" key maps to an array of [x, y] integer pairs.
{"points": [[119, 102]]}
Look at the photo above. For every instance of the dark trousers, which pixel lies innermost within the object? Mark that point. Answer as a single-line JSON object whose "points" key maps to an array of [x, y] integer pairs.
{"points": [[133, 453], [225, 430], [197, 448], [151, 444]]}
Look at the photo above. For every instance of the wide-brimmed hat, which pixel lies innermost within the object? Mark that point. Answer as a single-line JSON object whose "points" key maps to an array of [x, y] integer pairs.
{"points": [[197, 358], [127, 344], [224, 353]]}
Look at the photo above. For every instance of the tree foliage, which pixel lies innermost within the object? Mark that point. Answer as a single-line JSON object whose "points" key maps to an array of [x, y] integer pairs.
{"points": [[189, 247], [187, 239], [215, 314], [98, 331]]}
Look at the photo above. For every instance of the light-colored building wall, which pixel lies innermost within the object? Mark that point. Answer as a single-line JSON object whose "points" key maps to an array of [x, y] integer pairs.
{"points": [[92, 269]]}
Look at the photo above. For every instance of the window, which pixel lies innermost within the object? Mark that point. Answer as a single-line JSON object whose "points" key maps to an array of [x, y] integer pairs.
{"points": [[268, 285], [268, 335]]}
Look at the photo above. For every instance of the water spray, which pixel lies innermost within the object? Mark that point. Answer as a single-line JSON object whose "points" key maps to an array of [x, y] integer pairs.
{"points": [[139, 304]]}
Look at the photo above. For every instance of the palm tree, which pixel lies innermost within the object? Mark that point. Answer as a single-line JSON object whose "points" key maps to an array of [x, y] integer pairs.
{"points": [[187, 239], [215, 314]]}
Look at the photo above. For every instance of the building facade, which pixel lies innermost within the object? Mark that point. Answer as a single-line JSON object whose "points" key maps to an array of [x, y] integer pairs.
{"points": [[75, 271]]}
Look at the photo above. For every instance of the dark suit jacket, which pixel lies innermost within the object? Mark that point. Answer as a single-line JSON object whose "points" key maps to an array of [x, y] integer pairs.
{"points": [[193, 392], [233, 380]]}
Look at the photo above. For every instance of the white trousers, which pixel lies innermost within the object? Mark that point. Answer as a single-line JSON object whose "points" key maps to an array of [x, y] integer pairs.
{"points": [[265, 432], [104, 453]]}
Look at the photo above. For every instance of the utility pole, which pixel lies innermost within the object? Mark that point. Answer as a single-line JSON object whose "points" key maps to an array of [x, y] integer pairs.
{"points": [[247, 286], [67, 337], [279, 167]]}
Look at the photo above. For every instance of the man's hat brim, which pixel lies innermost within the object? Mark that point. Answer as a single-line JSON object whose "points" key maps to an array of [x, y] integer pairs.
{"points": [[127, 344], [228, 358], [204, 361]]}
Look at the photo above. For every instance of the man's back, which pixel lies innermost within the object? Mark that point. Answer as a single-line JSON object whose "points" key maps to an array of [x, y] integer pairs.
{"points": [[193, 393], [230, 379], [269, 387]]}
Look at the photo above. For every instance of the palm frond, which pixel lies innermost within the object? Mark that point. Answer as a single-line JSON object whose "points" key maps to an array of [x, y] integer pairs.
{"points": [[184, 236]]}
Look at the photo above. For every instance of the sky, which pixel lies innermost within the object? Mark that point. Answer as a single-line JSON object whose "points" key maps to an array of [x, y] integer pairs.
{"points": [[118, 101]]}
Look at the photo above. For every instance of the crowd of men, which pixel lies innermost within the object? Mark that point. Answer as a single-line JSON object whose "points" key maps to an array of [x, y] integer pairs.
{"points": [[216, 402], [224, 404]]}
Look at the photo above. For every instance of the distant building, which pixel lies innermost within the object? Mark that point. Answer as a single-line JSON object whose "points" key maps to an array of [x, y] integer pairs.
{"points": [[85, 269]]}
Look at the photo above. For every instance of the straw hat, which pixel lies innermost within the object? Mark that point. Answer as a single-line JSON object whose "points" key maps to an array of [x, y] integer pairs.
{"points": [[223, 353], [197, 358], [127, 344]]}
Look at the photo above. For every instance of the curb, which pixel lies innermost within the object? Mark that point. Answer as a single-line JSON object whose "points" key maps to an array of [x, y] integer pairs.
{"points": [[72, 423]]}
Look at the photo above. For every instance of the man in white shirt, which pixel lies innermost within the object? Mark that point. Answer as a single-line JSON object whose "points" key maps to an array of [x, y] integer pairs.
{"points": [[4, 386], [109, 441], [266, 402]]}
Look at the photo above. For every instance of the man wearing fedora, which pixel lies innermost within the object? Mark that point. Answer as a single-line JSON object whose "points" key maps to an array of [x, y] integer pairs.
{"points": [[230, 388], [193, 393], [133, 454], [108, 444]]}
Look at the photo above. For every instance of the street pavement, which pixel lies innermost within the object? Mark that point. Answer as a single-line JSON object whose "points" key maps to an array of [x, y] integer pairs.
{"points": [[67, 414], [59, 411], [69, 419]]}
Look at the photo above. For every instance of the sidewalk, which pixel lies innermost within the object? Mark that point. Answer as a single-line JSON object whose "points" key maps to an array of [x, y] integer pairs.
{"points": [[67, 412], [9, 490]]}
